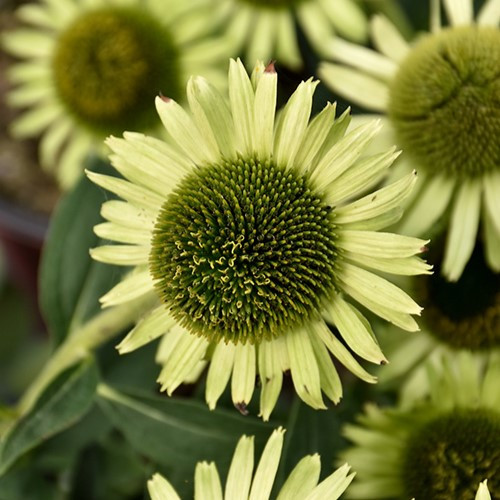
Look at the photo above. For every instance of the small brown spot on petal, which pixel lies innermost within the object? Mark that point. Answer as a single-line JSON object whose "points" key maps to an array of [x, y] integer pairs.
{"points": [[242, 408]]}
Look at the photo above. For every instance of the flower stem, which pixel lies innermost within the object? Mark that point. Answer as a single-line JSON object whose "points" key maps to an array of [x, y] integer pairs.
{"points": [[79, 343]]}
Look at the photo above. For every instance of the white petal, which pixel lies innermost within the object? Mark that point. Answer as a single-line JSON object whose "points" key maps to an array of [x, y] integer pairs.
{"points": [[302, 480], [121, 255], [491, 186], [271, 377], [134, 285], [492, 243], [333, 486], [463, 229], [125, 214], [489, 15], [483, 492]]}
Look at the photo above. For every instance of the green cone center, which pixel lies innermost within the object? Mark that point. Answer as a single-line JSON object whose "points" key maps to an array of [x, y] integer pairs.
{"points": [[109, 65], [450, 455], [242, 251], [445, 102], [464, 314]]}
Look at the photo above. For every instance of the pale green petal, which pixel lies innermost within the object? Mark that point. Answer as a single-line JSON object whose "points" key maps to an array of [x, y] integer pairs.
{"points": [[184, 132], [429, 205], [340, 352], [207, 482], [293, 123], [29, 72], [363, 174], [483, 492], [489, 15], [72, 160], [26, 43], [29, 94], [304, 368], [125, 214], [156, 323], [378, 203], [268, 465], [379, 244], [241, 96], [154, 175], [378, 222], [354, 85], [34, 121], [330, 380], [407, 266], [121, 255], [302, 480], [333, 486], [366, 60], [315, 25], [122, 234], [219, 372], [378, 289], [463, 229], [243, 380], [287, 47], [212, 114], [239, 477], [491, 186], [53, 140], [356, 331], [160, 489], [492, 243], [168, 343], [271, 377], [186, 356], [387, 39], [342, 155], [347, 18], [264, 112], [459, 12], [37, 15], [134, 285], [490, 395], [136, 195], [314, 137], [262, 37]]}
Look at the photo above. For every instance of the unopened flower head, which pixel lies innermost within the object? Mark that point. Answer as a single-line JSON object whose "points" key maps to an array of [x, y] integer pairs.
{"points": [[255, 233], [440, 95], [92, 68], [243, 483], [442, 445], [266, 29]]}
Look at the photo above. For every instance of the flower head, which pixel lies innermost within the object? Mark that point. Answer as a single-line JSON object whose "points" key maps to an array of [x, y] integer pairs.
{"points": [[440, 95], [441, 446], [254, 232], [243, 483], [89, 69], [265, 29]]}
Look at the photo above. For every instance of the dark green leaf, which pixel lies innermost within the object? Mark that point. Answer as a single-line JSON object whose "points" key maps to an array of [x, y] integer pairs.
{"points": [[63, 403], [70, 281], [178, 433]]}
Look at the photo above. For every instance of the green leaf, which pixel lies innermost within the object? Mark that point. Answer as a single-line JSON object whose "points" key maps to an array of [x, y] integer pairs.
{"points": [[70, 281], [63, 403], [178, 433]]}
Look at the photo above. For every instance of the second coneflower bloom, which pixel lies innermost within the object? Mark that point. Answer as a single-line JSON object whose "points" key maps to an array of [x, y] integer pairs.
{"points": [[91, 68], [255, 232], [441, 99]]}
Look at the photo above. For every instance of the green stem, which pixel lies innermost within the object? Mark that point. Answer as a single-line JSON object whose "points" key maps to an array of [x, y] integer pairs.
{"points": [[98, 330]]}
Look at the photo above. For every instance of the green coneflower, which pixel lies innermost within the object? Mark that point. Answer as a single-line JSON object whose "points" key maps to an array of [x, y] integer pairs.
{"points": [[92, 68], [244, 484], [441, 100], [265, 29], [461, 315], [252, 232], [439, 447]]}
